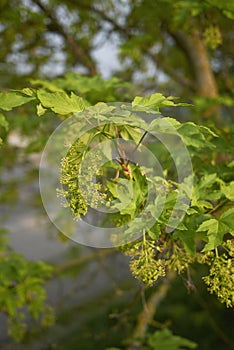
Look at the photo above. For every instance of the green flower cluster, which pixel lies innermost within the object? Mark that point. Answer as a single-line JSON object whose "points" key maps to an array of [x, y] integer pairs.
{"points": [[91, 179], [179, 260], [81, 188], [212, 36], [71, 192], [143, 265], [150, 261], [221, 278], [146, 268]]}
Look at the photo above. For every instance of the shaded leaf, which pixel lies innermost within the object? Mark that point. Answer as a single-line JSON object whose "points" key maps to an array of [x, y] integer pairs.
{"points": [[162, 125], [165, 340], [187, 238], [227, 218]]}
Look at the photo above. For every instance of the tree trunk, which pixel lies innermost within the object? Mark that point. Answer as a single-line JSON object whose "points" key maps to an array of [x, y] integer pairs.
{"points": [[194, 48]]}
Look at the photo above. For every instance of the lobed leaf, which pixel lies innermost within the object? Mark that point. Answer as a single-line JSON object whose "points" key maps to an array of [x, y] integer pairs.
{"points": [[9, 100], [217, 228], [59, 102]]}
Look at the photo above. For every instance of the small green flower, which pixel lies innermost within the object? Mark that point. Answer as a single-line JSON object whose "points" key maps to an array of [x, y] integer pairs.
{"points": [[221, 278]]}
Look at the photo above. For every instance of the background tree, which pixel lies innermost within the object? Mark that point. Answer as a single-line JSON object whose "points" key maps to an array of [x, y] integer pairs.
{"points": [[179, 47]]}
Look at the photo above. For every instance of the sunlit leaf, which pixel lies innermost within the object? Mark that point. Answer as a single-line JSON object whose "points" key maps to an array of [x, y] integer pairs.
{"points": [[13, 99], [59, 102], [228, 190], [3, 122], [216, 229]]}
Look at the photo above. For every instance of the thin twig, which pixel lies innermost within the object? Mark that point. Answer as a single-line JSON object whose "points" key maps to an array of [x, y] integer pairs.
{"points": [[81, 260]]}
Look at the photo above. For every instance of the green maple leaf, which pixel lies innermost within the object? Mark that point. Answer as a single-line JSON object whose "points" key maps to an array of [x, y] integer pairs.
{"points": [[228, 219], [193, 135], [216, 229], [61, 103], [228, 190], [151, 102], [154, 102], [215, 232], [9, 100]]}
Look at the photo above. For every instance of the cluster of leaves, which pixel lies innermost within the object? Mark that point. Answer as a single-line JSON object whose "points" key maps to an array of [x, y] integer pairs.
{"points": [[204, 226], [56, 97], [93, 89], [22, 291]]}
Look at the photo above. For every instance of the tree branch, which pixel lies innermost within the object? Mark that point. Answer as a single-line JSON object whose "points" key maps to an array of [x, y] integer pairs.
{"points": [[146, 317], [85, 6], [80, 53], [97, 254], [172, 72]]}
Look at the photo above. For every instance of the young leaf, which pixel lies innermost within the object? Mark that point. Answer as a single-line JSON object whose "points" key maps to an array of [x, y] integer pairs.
{"points": [[163, 125], [40, 110], [59, 102], [154, 103], [228, 190], [101, 108], [192, 136], [216, 229], [131, 133], [151, 102], [9, 100], [208, 180], [206, 130], [26, 91]]}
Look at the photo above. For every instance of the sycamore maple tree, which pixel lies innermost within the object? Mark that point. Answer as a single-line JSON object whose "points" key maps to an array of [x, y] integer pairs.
{"points": [[202, 235], [183, 48]]}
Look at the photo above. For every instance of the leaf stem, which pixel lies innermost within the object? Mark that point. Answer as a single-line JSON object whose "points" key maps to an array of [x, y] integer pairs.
{"points": [[141, 139]]}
